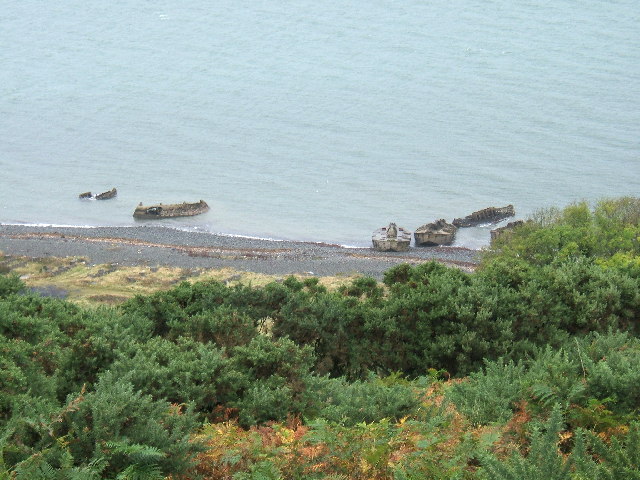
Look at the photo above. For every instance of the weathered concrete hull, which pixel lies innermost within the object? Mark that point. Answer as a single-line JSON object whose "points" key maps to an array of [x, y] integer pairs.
{"points": [[395, 243], [431, 239], [107, 195], [391, 245], [434, 234], [101, 196], [155, 212], [506, 229], [486, 215]]}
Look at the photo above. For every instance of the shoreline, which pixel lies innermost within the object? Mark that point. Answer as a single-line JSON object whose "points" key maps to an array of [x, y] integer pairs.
{"points": [[166, 246]]}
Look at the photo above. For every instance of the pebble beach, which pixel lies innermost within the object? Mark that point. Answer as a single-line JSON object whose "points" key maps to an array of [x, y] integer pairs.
{"points": [[161, 246]]}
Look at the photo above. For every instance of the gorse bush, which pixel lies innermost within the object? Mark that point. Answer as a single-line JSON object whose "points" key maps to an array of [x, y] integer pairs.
{"points": [[490, 395], [43, 436], [10, 285], [530, 291], [349, 403], [542, 461], [592, 381], [180, 372], [590, 458]]}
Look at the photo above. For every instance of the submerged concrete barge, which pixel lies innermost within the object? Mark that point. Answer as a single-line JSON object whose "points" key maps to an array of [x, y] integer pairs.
{"points": [[391, 239], [170, 210], [486, 215]]}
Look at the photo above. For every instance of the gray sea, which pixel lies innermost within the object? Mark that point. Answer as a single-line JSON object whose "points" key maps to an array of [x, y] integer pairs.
{"points": [[315, 120]]}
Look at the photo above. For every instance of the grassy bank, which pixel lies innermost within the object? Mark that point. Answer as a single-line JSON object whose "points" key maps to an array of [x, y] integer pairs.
{"points": [[78, 281]]}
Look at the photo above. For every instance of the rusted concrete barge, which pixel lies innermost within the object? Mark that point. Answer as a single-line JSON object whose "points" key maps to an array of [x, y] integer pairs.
{"points": [[498, 232], [486, 215], [434, 234], [391, 239], [101, 196], [170, 210]]}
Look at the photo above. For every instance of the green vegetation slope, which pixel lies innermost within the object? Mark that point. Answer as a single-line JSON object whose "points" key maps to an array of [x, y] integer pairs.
{"points": [[528, 368]]}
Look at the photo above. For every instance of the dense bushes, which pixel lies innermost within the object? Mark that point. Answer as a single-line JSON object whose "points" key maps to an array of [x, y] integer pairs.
{"points": [[546, 332], [611, 228], [99, 391], [597, 375], [431, 317]]}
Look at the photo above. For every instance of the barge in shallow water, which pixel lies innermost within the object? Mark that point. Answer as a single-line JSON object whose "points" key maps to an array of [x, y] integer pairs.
{"points": [[434, 234], [101, 196], [170, 210], [391, 239], [486, 215]]}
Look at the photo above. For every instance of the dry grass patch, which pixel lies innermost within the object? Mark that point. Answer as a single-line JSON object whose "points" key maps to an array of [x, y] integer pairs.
{"points": [[113, 284]]}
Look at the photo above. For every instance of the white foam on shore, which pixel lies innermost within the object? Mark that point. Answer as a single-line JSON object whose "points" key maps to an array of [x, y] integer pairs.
{"points": [[199, 229], [48, 225], [264, 239], [187, 229]]}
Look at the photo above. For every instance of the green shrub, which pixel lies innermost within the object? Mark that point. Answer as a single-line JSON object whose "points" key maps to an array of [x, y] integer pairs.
{"points": [[612, 369], [184, 372], [330, 323], [266, 399], [107, 432], [620, 459], [490, 395], [611, 227], [225, 327], [590, 459], [115, 415], [349, 403], [275, 373], [10, 285], [542, 462]]}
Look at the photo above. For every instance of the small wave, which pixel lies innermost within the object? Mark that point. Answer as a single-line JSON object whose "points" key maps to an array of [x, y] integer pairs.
{"points": [[48, 225], [205, 231]]}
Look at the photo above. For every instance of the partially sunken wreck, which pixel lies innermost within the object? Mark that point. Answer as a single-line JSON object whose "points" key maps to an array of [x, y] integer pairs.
{"points": [[170, 210], [101, 196], [506, 229], [436, 233], [391, 239], [486, 215]]}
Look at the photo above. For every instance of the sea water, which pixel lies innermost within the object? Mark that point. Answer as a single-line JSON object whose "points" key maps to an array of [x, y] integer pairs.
{"points": [[315, 120]]}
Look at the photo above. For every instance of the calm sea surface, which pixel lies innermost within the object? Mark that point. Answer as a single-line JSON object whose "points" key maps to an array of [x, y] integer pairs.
{"points": [[315, 120]]}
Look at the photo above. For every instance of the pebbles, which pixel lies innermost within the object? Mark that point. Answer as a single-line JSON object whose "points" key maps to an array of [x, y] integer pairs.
{"points": [[160, 246]]}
